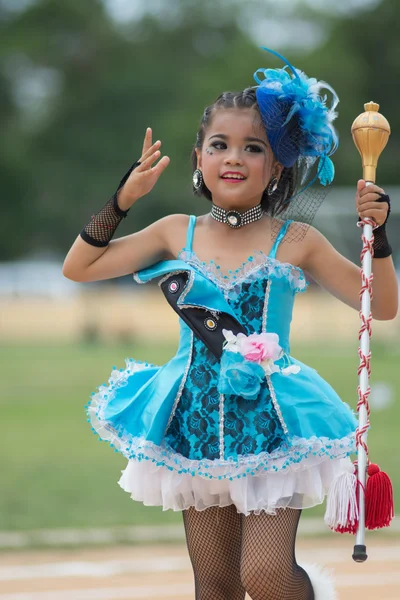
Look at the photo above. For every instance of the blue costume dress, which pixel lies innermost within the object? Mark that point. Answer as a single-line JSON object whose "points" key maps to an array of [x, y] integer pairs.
{"points": [[189, 445]]}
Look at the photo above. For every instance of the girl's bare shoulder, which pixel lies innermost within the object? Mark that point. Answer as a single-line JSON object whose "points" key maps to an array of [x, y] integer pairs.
{"points": [[175, 230]]}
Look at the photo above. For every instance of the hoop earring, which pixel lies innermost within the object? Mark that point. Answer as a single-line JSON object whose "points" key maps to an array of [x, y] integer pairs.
{"points": [[272, 186], [197, 180]]}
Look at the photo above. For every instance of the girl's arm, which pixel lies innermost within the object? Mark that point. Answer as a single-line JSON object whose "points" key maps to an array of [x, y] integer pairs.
{"points": [[93, 256], [341, 277], [125, 255]]}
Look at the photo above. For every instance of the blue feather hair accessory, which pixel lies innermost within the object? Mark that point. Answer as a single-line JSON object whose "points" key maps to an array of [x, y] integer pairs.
{"points": [[297, 118]]}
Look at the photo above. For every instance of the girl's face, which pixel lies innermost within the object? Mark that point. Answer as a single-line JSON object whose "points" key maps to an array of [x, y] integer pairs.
{"points": [[236, 159]]}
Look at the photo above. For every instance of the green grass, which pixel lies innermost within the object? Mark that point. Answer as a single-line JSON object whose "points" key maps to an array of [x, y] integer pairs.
{"points": [[54, 471]]}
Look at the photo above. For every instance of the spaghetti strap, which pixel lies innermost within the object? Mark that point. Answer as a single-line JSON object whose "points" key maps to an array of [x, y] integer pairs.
{"points": [[280, 237], [190, 232]]}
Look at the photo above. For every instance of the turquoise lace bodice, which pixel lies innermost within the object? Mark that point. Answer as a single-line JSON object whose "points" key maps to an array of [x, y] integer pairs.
{"points": [[261, 292]]}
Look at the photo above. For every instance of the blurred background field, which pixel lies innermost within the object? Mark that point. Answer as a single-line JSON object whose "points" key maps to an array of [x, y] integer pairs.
{"points": [[79, 83]]}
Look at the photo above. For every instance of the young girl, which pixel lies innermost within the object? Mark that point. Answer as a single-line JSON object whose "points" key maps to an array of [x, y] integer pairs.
{"points": [[233, 431]]}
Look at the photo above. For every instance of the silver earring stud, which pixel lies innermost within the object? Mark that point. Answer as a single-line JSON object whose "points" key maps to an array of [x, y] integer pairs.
{"points": [[272, 186], [197, 179]]}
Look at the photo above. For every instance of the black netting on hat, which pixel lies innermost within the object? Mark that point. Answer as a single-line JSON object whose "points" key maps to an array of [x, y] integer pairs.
{"points": [[298, 124], [294, 201]]}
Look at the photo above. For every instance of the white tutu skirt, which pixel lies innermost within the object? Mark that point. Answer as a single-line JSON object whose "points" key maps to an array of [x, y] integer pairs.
{"points": [[302, 485]]}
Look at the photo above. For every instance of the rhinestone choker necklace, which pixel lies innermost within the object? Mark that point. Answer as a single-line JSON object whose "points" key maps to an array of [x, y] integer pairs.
{"points": [[236, 219]]}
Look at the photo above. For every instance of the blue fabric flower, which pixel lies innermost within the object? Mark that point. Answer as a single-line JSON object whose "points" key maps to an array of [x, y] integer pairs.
{"points": [[240, 376]]}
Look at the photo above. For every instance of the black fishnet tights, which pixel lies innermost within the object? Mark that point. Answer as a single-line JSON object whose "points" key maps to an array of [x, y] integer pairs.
{"points": [[214, 539], [233, 554], [268, 567]]}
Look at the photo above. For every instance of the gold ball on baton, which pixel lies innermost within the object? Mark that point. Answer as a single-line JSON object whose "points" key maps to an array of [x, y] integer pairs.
{"points": [[370, 132]]}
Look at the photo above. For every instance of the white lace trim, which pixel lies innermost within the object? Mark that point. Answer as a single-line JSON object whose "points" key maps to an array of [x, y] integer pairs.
{"points": [[276, 406], [118, 378], [137, 278], [291, 455], [257, 261], [265, 308], [221, 426]]}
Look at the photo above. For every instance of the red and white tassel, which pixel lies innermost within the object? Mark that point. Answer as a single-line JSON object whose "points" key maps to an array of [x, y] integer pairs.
{"points": [[342, 505], [379, 504]]}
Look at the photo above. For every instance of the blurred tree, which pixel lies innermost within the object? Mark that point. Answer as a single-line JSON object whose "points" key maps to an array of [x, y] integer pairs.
{"points": [[17, 206], [362, 66], [79, 91], [111, 86]]}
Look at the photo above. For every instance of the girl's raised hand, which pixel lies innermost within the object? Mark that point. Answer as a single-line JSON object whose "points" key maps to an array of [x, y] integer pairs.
{"points": [[144, 177], [367, 202]]}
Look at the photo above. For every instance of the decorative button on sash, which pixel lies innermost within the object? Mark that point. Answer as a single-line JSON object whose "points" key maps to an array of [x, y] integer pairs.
{"points": [[210, 324], [173, 287]]}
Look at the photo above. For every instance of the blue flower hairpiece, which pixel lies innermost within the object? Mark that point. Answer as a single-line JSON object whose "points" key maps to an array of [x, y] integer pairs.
{"points": [[296, 117]]}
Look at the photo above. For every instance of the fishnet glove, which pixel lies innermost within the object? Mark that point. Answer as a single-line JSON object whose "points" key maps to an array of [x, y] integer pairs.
{"points": [[381, 245], [102, 226]]}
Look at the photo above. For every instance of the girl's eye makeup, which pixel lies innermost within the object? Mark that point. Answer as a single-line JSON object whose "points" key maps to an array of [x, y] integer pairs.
{"points": [[219, 145], [223, 146], [254, 148]]}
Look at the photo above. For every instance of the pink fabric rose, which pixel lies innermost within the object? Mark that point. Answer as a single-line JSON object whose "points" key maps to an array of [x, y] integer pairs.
{"points": [[259, 347]]}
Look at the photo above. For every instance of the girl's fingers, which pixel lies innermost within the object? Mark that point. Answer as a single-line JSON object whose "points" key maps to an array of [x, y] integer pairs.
{"points": [[370, 189], [363, 200], [147, 140], [150, 151], [161, 165], [372, 206], [372, 212], [373, 209], [378, 217], [145, 165]]}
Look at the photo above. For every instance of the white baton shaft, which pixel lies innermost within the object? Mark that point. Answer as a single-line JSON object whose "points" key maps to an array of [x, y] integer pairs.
{"points": [[360, 554]]}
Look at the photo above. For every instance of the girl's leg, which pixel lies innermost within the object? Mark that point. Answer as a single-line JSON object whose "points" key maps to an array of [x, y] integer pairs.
{"points": [[268, 569], [214, 538]]}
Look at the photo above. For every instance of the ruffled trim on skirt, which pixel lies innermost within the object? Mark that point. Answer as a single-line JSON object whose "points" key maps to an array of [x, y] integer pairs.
{"points": [[295, 475], [291, 453], [300, 486]]}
